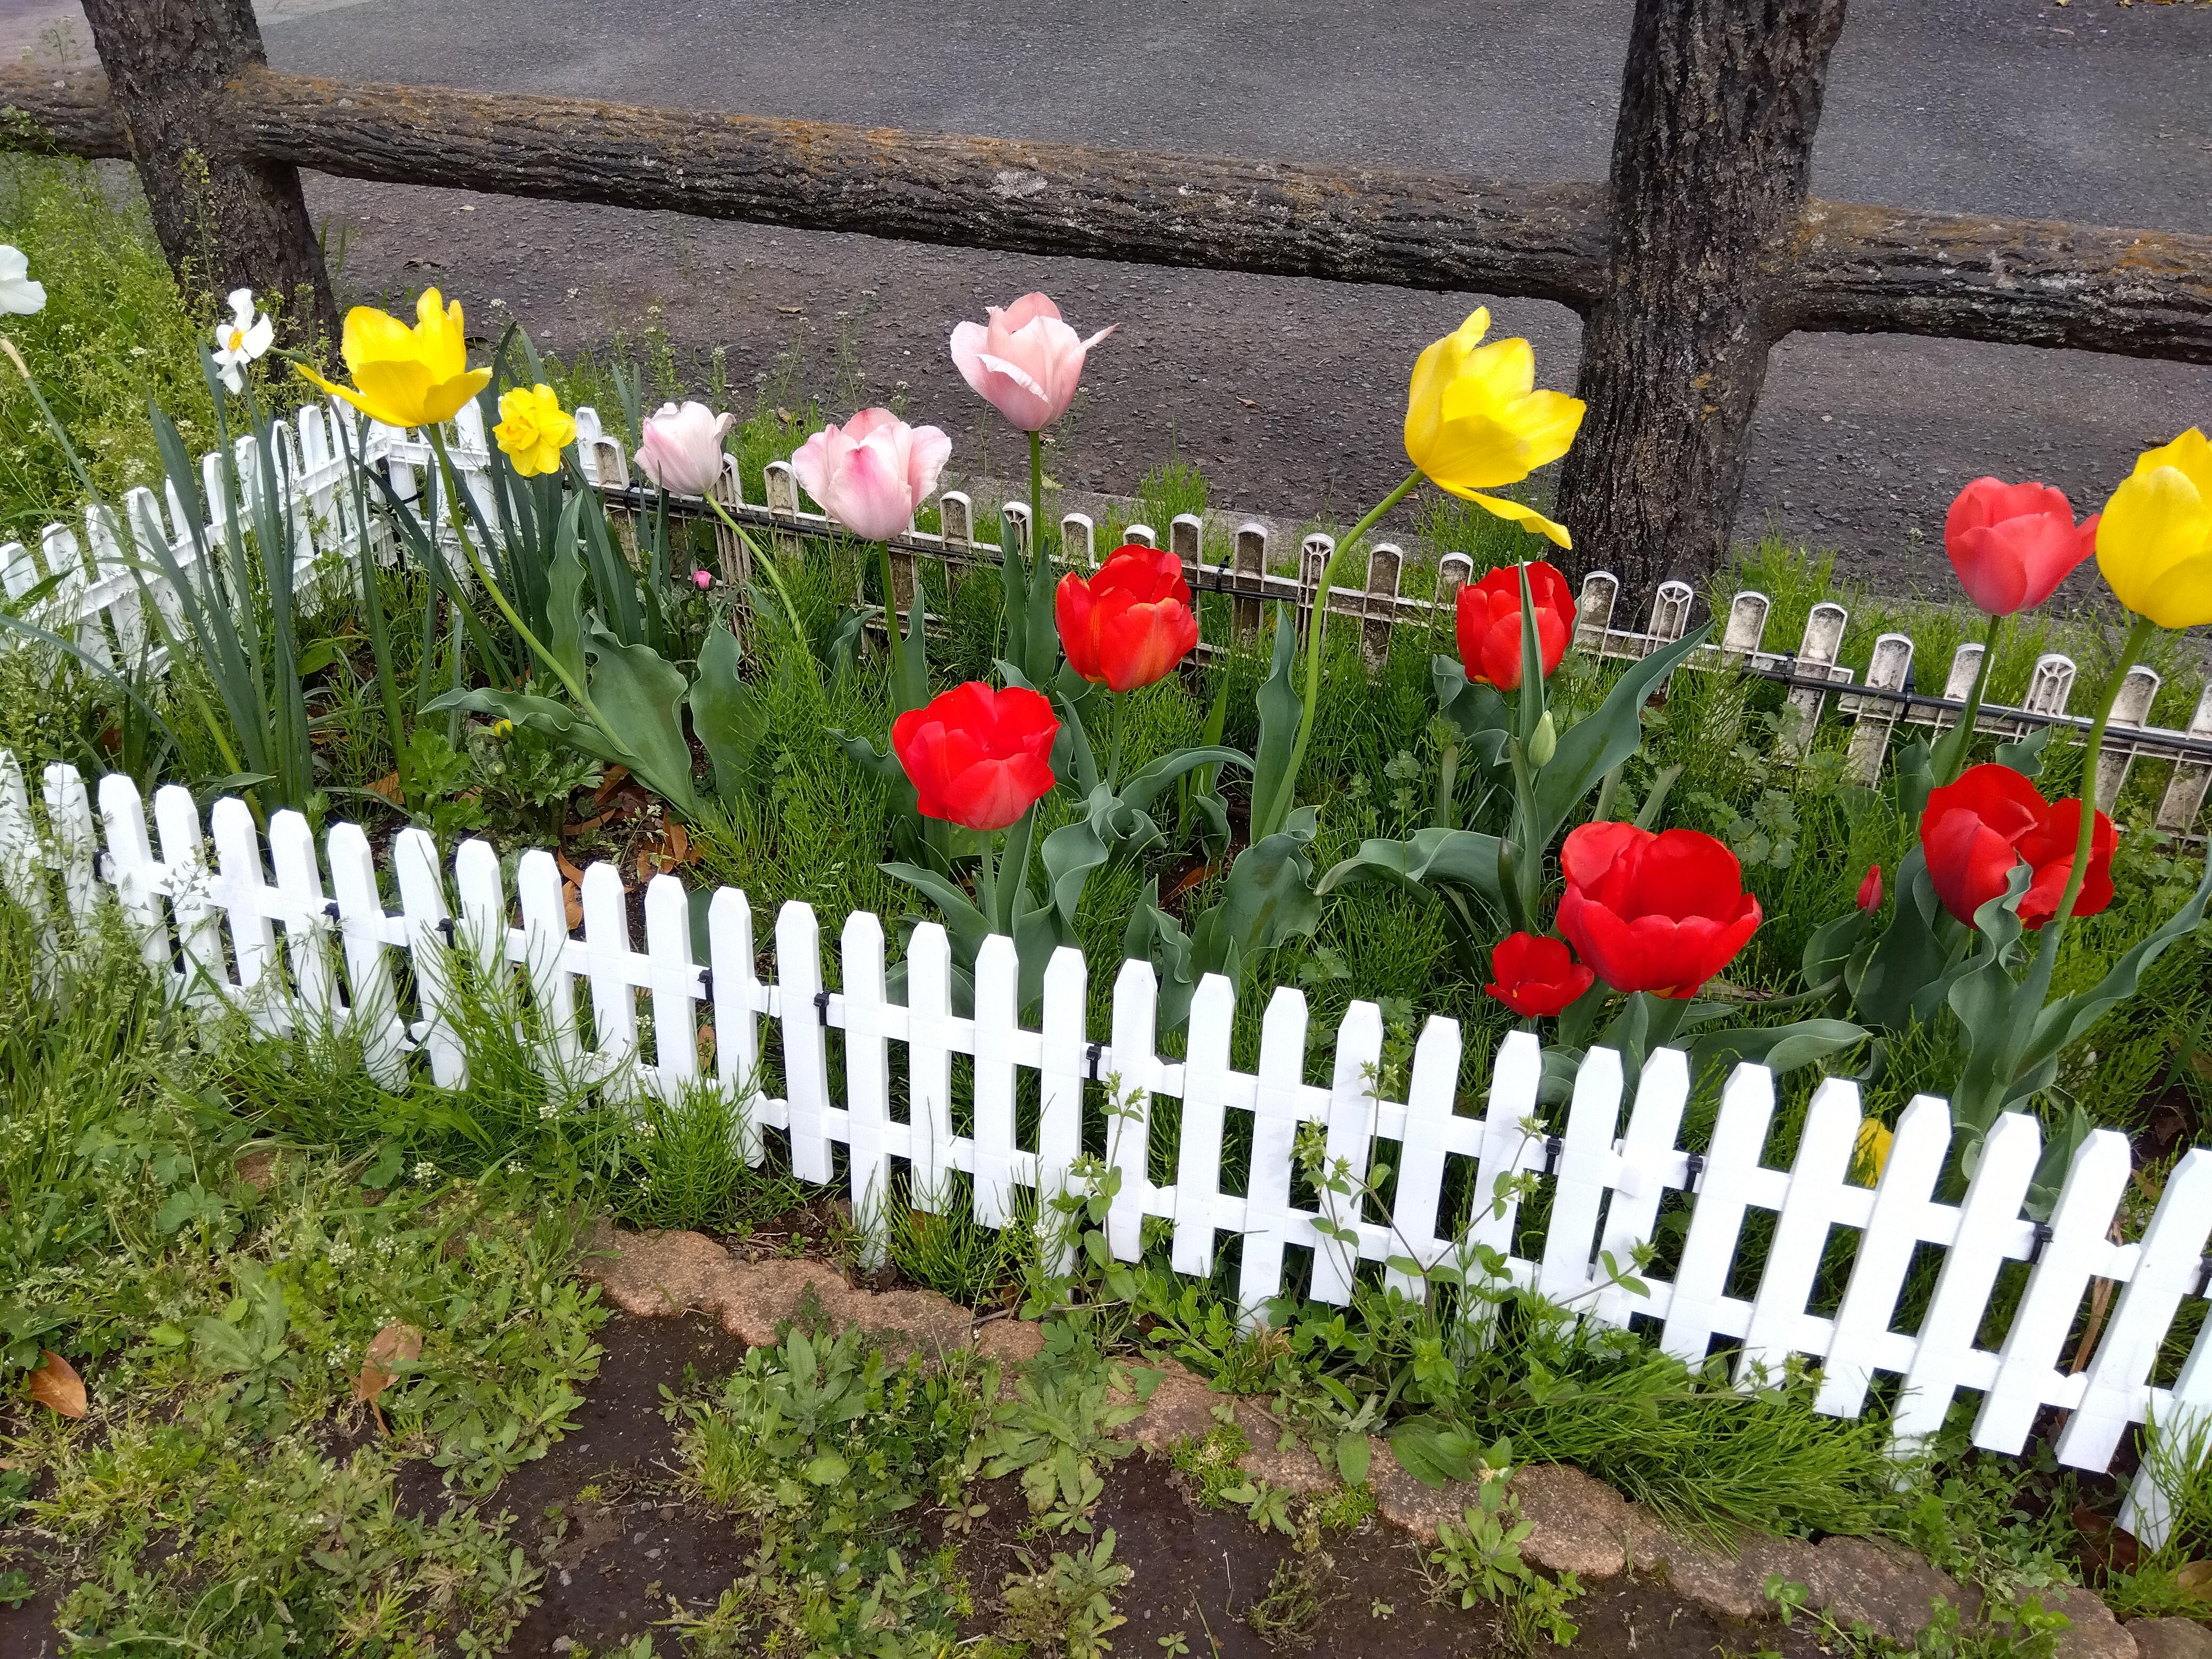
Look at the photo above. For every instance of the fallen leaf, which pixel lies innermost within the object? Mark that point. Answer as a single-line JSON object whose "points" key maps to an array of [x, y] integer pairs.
{"points": [[57, 1385], [609, 780], [786, 415], [387, 786], [679, 844], [2196, 1577], [574, 901], [1249, 402], [396, 1344], [575, 876], [570, 831], [791, 311]]}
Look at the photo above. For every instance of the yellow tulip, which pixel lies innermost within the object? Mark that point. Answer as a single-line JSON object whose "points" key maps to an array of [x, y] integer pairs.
{"points": [[533, 429], [1870, 1151], [1474, 421], [405, 376], [2155, 540]]}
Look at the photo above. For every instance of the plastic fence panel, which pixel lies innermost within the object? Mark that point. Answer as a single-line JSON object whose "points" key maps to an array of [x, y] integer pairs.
{"points": [[212, 934]]}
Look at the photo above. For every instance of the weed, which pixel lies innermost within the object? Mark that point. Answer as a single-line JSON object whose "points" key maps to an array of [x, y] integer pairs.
{"points": [[1064, 1607], [1478, 1559]]}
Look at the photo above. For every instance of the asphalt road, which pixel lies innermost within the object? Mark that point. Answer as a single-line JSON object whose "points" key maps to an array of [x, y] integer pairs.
{"points": [[1289, 393]]}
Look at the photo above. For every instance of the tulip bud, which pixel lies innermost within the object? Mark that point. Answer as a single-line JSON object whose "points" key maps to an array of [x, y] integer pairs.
{"points": [[702, 580], [1870, 888], [1544, 743]]}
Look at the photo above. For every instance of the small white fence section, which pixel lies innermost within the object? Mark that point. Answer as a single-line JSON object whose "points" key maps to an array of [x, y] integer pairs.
{"points": [[259, 927], [96, 599]]}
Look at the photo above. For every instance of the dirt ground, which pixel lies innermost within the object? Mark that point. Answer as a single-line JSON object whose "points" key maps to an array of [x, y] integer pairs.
{"points": [[613, 1563]]}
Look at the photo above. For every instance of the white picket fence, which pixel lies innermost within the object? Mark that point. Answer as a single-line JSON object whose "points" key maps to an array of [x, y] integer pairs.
{"points": [[96, 600], [292, 936]]}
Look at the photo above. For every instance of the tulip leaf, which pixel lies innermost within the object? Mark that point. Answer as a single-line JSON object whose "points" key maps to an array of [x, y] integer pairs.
{"points": [[1145, 784], [1780, 1048], [1463, 857], [1909, 974], [966, 926], [2063, 1023], [1152, 935], [541, 714], [870, 759], [1280, 709], [564, 603], [1603, 738], [728, 713], [1472, 706], [641, 696]]}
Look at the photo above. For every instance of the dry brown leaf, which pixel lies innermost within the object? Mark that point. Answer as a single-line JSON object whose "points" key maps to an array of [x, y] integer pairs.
{"points": [[396, 1344], [2196, 1577], [575, 876], [679, 844], [609, 780], [387, 786], [575, 903], [57, 1385]]}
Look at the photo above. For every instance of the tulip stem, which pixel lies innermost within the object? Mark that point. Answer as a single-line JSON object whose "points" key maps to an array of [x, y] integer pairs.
{"points": [[1951, 751], [1114, 700], [1036, 495], [1279, 808], [2092, 752], [761, 561], [514, 620]]}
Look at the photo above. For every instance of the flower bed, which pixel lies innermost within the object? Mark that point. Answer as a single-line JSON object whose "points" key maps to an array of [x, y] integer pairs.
{"points": [[1473, 821]]}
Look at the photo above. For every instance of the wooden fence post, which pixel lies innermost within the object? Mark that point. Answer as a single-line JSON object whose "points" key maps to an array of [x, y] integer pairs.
{"points": [[226, 219], [1710, 161]]}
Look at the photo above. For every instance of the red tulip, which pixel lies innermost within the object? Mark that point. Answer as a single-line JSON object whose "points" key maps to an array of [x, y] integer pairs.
{"points": [[1536, 977], [1975, 830], [1130, 624], [1870, 888], [2012, 544], [1659, 913], [978, 757], [1490, 623]]}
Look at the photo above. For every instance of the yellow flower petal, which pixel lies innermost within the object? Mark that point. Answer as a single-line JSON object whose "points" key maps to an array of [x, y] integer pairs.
{"points": [[442, 401], [1473, 419], [1527, 517], [2154, 539]]}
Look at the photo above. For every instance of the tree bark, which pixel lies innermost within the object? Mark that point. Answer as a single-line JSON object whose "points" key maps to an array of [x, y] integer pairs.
{"points": [[2020, 282], [226, 218], [1710, 162]]}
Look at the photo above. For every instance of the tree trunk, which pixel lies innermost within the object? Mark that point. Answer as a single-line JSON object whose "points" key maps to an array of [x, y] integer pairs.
{"points": [[1710, 163], [226, 219]]}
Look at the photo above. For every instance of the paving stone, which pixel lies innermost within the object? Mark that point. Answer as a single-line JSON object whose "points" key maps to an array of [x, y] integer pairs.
{"points": [[1881, 1584], [2094, 1634], [1577, 1524], [2170, 1639], [1732, 1583]]}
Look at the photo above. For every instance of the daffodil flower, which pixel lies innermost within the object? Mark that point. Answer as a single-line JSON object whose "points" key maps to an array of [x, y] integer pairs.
{"points": [[533, 429], [241, 339], [19, 295]]}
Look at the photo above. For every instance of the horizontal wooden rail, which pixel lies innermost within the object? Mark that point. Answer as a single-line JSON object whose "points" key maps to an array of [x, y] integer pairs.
{"points": [[1851, 268]]}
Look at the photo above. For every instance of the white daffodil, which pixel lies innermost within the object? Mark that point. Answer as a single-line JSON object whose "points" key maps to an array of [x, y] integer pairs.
{"points": [[19, 295], [241, 338]]}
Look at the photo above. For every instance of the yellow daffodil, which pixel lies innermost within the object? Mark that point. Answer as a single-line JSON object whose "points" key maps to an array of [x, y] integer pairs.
{"points": [[2155, 540], [1871, 1150], [1474, 421], [405, 376], [533, 429]]}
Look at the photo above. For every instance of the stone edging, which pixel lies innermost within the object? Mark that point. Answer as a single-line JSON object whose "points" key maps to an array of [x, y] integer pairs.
{"points": [[1577, 1524]]}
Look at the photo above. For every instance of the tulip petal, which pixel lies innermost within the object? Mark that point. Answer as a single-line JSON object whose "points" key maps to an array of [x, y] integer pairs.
{"points": [[2154, 546], [1527, 517]]}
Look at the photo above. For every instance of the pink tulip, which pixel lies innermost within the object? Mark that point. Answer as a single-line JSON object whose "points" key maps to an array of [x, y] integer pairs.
{"points": [[2013, 543], [1024, 359], [702, 580], [872, 475], [683, 447]]}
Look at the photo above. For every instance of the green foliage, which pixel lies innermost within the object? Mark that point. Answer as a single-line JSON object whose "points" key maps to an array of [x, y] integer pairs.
{"points": [[827, 1451], [1064, 1607], [114, 332], [1478, 1558]]}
